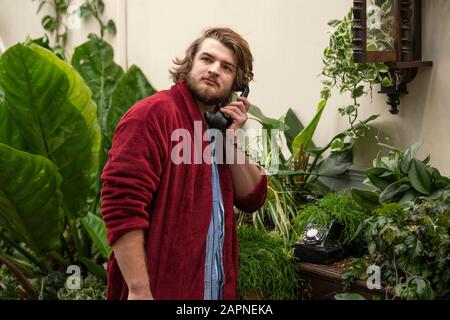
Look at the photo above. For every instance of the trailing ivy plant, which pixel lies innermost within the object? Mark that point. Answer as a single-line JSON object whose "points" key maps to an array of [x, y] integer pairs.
{"points": [[410, 243], [344, 74]]}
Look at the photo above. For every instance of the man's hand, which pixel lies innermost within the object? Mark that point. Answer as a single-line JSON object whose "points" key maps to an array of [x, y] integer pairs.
{"points": [[237, 110], [140, 295]]}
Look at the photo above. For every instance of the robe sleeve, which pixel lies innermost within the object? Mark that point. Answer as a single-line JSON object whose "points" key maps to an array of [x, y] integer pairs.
{"points": [[131, 175], [255, 199]]}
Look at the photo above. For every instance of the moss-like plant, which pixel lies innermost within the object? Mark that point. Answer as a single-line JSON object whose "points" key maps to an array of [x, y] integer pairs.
{"points": [[267, 269], [334, 206]]}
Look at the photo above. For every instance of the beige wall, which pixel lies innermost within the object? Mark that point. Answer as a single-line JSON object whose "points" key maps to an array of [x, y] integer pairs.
{"points": [[287, 38]]}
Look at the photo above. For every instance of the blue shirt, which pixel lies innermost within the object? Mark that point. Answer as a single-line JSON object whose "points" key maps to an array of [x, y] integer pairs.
{"points": [[214, 274]]}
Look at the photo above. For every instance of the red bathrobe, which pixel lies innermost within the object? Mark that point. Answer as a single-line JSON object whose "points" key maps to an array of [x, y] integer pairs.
{"points": [[144, 189]]}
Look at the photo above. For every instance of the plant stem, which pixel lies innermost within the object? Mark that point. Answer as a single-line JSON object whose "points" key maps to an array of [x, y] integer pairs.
{"points": [[24, 282], [16, 246], [55, 255], [71, 220]]}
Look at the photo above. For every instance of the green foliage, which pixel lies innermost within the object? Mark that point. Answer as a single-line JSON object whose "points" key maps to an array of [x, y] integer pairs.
{"points": [[399, 177], [55, 23], [91, 289], [349, 296], [49, 131], [380, 27], [267, 268], [95, 9], [339, 207], [18, 204], [411, 245], [8, 285], [52, 286], [342, 73]]}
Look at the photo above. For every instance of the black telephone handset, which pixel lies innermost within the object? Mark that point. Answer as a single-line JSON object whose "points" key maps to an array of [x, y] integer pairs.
{"points": [[218, 120]]}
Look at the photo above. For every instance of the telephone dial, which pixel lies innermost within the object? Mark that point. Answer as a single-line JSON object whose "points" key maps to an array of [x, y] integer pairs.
{"points": [[320, 245], [217, 119]]}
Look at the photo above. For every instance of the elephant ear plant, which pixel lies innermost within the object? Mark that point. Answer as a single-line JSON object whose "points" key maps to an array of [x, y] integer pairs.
{"points": [[50, 141], [114, 92]]}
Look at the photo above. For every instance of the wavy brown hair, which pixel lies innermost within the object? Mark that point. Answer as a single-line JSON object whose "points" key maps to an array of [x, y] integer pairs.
{"points": [[231, 40]]}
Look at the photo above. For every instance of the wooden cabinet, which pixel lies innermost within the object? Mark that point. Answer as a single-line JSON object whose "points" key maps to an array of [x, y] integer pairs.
{"points": [[324, 282]]}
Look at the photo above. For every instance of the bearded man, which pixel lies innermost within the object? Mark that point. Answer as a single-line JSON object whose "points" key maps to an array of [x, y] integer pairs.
{"points": [[171, 224]]}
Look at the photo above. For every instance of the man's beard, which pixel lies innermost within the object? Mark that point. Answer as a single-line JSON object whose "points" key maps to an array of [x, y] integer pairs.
{"points": [[205, 96]]}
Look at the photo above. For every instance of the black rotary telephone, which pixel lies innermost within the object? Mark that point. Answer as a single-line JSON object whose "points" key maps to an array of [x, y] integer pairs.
{"points": [[320, 245], [217, 119]]}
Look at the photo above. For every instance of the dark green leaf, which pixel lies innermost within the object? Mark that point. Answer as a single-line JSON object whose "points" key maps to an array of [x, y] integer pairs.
{"points": [[97, 231], [267, 123], [295, 127], [49, 105], [386, 82], [95, 61], [365, 198], [24, 205], [349, 296], [94, 268], [132, 87], [394, 189], [420, 177], [337, 163], [358, 92], [49, 23], [86, 11], [304, 138], [410, 195], [373, 174], [409, 155], [111, 27]]}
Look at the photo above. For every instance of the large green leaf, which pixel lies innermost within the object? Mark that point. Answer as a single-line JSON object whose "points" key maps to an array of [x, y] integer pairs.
{"points": [[94, 268], [97, 231], [30, 198], [337, 163], [374, 175], [267, 123], [80, 96], [420, 177], [303, 139], [349, 296], [131, 88], [94, 60], [37, 104], [394, 189], [295, 127], [408, 156], [365, 198]]}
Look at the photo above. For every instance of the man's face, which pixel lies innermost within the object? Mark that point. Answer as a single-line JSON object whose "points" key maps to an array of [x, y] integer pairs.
{"points": [[212, 73]]}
